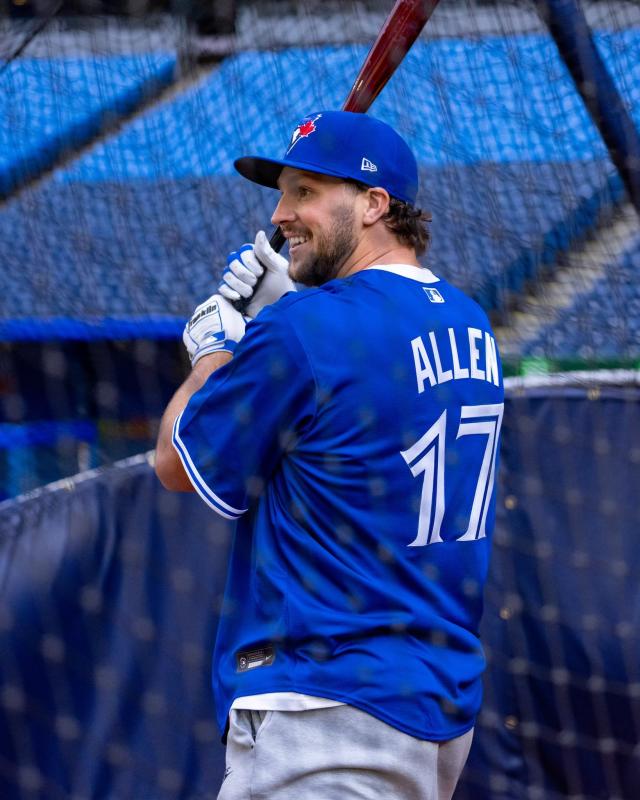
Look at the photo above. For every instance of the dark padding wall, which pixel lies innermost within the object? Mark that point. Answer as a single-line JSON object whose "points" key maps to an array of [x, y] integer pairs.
{"points": [[111, 588]]}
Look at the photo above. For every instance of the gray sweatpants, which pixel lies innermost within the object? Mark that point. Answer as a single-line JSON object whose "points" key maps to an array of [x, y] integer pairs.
{"points": [[338, 753]]}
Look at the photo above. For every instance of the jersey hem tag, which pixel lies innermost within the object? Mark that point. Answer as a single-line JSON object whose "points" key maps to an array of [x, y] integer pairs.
{"points": [[259, 657]]}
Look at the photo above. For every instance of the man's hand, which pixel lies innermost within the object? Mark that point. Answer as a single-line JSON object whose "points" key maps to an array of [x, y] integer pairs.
{"points": [[215, 326], [246, 265]]}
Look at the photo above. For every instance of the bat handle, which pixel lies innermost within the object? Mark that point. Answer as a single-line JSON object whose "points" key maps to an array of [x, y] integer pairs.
{"points": [[276, 241]]}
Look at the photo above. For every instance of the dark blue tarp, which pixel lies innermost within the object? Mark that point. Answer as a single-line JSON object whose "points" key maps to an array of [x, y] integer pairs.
{"points": [[108, 611], [110, 591]]}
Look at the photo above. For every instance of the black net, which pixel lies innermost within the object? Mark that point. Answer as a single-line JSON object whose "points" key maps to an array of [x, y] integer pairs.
{"points": [[112, 589], [120, 200], [119, 203], [129, 234]]}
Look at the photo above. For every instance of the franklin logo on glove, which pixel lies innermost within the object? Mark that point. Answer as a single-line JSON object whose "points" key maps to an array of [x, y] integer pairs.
{"points": [[215, 326]]}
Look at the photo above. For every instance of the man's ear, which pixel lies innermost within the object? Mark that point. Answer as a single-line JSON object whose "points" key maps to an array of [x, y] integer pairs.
{"points": [[377, 205]]}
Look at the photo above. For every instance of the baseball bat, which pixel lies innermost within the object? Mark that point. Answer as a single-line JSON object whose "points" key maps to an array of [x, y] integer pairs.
{"points": [[398, 33]]}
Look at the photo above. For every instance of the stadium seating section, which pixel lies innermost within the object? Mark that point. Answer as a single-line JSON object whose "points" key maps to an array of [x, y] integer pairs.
{"points": [[126, 238], [603, 323], [49, 107]]}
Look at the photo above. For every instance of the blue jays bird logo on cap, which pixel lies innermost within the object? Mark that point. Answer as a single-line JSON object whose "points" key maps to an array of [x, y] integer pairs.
{"points": [[304, 129]]}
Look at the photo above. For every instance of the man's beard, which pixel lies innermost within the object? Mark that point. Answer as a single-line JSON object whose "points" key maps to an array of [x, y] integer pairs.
{"points": [[331, 251]]}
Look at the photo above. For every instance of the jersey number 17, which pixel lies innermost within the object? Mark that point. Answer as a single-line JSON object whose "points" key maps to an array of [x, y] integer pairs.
{"points": [[427, 457]]}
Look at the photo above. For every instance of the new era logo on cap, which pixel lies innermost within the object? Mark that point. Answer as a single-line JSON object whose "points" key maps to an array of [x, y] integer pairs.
{"points": [[368, 166]]}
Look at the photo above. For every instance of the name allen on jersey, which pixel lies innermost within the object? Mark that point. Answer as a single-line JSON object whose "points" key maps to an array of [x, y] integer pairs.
{"points": [[455, 355]]}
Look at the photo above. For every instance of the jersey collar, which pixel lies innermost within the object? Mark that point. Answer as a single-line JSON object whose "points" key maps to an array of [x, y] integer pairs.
{"points": [[420, 274]]}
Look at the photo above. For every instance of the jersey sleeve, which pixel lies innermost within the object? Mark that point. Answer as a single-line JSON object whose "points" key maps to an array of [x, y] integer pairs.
{"points": [[235, 430]]}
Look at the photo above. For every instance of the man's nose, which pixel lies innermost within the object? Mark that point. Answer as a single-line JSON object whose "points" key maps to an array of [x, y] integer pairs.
{"points": [[283, 212]]}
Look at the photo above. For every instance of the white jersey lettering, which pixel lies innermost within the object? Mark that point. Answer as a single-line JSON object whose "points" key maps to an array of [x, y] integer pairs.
{"points": [[422, 364], [439, 359]]}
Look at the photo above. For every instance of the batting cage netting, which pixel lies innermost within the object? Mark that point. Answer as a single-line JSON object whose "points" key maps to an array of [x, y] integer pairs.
{"points": [[113, 587], [119, 202]]}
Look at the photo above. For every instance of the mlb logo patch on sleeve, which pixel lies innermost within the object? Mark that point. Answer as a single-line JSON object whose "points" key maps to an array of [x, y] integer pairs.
{"points": [[433, 295]]}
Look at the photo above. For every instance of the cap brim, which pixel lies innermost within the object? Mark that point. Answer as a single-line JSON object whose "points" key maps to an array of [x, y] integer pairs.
{"points": [[266, 171]]}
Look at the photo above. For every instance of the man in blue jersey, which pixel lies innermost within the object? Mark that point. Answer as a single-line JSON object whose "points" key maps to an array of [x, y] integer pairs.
{"points": [[352, 429]]}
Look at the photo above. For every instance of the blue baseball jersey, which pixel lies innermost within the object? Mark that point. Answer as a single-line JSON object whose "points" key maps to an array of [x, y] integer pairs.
{"points": [[354, 436]]}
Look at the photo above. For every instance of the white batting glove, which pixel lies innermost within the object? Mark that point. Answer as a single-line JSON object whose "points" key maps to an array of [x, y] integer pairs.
{"points": [[246, 265], [215, 326]]}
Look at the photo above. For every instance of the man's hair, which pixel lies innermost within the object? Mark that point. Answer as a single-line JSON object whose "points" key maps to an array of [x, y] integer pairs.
{"points": [[406, 221]]}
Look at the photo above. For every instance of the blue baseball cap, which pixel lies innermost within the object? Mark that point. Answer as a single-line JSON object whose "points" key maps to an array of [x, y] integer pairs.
{"points": [[345, 145]]}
